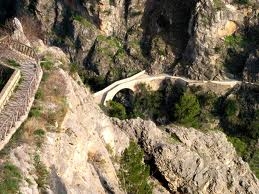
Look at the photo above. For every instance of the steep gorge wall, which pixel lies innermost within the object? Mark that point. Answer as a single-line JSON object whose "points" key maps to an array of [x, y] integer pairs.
{"points": [[114, 39]]}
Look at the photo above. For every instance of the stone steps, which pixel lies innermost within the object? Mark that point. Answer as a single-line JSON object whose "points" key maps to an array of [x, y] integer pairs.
{"points": [[18, 103]]}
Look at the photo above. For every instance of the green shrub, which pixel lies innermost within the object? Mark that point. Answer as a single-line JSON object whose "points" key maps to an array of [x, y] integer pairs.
{"points": [[39, 137], [133, 172], [74, 68], [187, 110], [35, 112], [240, 146], [231, 108], [39, 132], [235, 41], [46, 64], [39, 95], [254, 126], [242, 2], [13, 63], [116, 109], [10, 177]]}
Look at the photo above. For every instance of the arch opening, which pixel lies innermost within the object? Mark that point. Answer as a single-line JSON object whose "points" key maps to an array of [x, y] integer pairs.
{"points": [[126, 98]]}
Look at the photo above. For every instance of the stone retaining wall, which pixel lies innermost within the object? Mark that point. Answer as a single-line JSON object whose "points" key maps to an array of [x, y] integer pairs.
{"points": [[9, 87]]}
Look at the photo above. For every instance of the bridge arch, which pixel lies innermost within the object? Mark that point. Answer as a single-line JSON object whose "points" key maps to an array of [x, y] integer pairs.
{"points": [[110, 95]]}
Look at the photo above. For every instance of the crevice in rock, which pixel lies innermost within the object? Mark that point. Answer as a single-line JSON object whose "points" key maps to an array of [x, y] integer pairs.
{"points": [[126, 10], [155, 173], [87, 62], [32, 6], [56, 14], [56, 183], [105, 184]]}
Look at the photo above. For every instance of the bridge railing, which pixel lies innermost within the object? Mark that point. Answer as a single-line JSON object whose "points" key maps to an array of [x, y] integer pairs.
{"points": [[8, 42]]}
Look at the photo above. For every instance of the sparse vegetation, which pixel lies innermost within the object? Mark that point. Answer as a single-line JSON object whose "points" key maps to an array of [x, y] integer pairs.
{"points": [[50, 104], [219, 4], [10, 177], [41, 173], [254, 163], [116, 109], [83, 21]]}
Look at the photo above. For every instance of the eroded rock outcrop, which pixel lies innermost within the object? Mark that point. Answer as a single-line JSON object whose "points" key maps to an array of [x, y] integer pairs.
{"points": [[77, 157], [192, 161]]}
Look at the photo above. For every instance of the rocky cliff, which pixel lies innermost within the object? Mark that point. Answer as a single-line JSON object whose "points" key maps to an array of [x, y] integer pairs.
{"points": [[76, 158], [69, 145], [190, 161], [113, 39]]}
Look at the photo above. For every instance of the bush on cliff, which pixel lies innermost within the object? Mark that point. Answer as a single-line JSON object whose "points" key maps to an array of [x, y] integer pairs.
{"points": [[133, 173], [10, 177]]}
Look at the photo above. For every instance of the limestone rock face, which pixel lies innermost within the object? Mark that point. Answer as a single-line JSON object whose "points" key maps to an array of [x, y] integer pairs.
{"points": [[192, 161], [49, 13], [18, 33], [83, 144], [109, 15], [181, 37], [85, 35], [213, 22], [77, 157]]}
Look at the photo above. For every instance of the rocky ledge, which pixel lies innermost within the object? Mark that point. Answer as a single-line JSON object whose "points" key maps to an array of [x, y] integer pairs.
{"points": [[191, 161]]}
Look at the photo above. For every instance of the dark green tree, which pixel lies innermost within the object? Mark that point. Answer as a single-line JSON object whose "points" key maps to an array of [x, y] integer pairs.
{"points": [[231, 107], [187, 110], [254, 126], [133, 173]]}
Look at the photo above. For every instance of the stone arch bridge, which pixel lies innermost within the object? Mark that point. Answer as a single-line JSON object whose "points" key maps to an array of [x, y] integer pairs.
{"points": [[154, 81]]}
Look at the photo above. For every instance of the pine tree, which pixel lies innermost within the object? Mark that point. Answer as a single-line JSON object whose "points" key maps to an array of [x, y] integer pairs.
{"points": [[187, 110], [133, 172]]}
